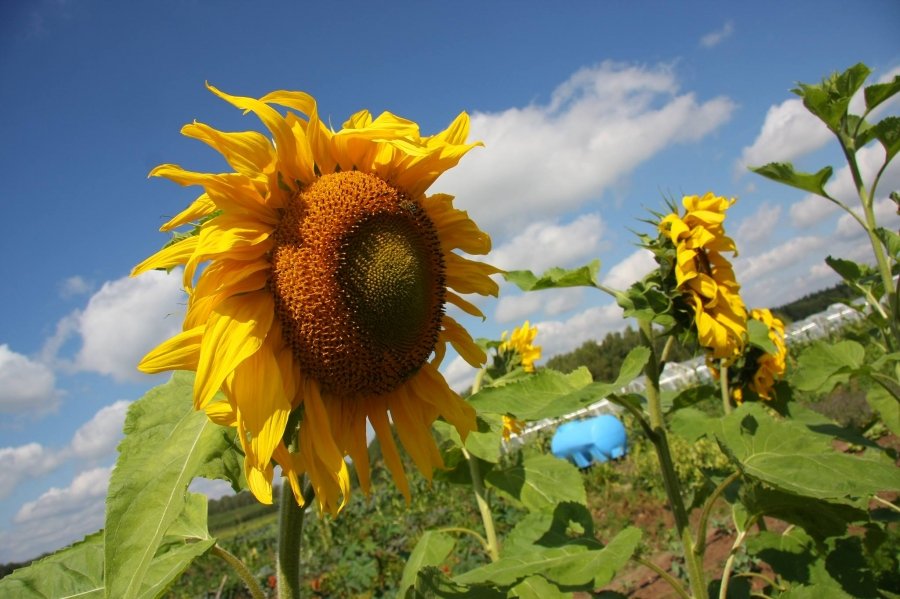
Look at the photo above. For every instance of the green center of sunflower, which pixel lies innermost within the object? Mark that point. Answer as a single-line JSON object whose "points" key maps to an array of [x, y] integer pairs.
{"points": [[358, 279]]}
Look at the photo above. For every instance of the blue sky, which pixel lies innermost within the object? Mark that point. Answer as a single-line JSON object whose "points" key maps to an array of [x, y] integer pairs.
{"points": [[590, 113]]}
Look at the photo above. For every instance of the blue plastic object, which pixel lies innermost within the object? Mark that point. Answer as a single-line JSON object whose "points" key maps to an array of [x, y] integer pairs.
{"points": [[596, 439]]}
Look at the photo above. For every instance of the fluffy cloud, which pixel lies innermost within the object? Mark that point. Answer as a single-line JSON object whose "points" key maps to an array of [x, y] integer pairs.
{"points": [[121, 322], [517, 308], [715, 38], [788, 132], [600, 124], [545, 244], [757, 227], [631, 269], [26, 385], [813, 209], [58, 517], [459, 374], [98, 437], [25, 461], [558, 336]]}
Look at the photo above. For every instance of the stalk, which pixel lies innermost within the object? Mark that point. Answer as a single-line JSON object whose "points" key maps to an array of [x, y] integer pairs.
{"points": [[290, 537], [723, 379], [693, 562], [492, 544], [240, 568]]}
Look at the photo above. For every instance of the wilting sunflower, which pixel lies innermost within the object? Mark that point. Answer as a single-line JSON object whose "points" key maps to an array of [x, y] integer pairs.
{"points": [[327, 271], [704, 275], [769, 366]]}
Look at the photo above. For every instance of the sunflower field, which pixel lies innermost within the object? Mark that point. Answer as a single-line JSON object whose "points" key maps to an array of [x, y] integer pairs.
{"points": [[317, 275]]}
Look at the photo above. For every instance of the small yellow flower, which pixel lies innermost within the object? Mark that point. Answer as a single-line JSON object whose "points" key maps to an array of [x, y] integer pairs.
{"points": [[705, 276], [327, 274], [769, 366], [512, 426], [521, 342]]}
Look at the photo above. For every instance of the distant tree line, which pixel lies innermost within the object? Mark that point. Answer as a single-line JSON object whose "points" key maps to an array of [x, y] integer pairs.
{"points": [[605, 358]]}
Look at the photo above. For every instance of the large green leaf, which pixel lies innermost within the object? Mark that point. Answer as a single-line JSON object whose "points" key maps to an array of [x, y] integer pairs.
{"points": [[538, 481], [483, 442], [823, 365], [554, 278], [567, 523], [819, 518], [431, 550], [550, 394], [887, 408], [537, 587], [784, 172], [166, 444], [570, 565], [790, 457], [76, 571], [431, 583]]}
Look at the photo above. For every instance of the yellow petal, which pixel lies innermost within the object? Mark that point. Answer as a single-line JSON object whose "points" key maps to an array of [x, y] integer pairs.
{"points": [[169, 257], [234, 332], [181, 352], [199, 208], [462, 342], [389, 451]]}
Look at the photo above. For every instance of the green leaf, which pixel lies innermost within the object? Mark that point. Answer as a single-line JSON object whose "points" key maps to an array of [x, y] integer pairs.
{"points": [[570, 565], [877, 93], [537, 587], [76, 571], [644, 301], [817, 517], [166, 444], [783, 172], [758, 335], [830, 99], [887, 408], [431, 582], [692, 424], [555, 278], [538, 481], [431, 550], [890, 240], [790, 457], [483, 442], [850, 271], [568, 523], [822, 365], [693, 395], [887, 131]]}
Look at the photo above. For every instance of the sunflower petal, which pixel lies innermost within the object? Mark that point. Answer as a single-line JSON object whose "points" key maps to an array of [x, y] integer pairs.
{"points": [[234, 332], [181, 352]]}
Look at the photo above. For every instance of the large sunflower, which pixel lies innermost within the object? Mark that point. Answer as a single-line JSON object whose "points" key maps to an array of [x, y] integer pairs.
{"points": [[327, 270], [705, 277]]}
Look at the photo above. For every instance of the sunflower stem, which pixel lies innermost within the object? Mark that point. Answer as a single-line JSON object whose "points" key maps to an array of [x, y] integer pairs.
{"points": [[290, 536], [723, 378], [692, 561], [240, 568], [493, 546]]}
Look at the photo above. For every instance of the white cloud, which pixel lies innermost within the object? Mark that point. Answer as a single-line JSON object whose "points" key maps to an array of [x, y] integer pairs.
{"points": [[788, 132], [813, 209], [26, 461], [544, 160], [26, 386], [58, 517], [545, 244], [122, 321], [757, 226], [631, 269], [73, 286], [788, 254], [98, 437], [716, 37], [459, 374], [558, 336], [527, 306]]}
